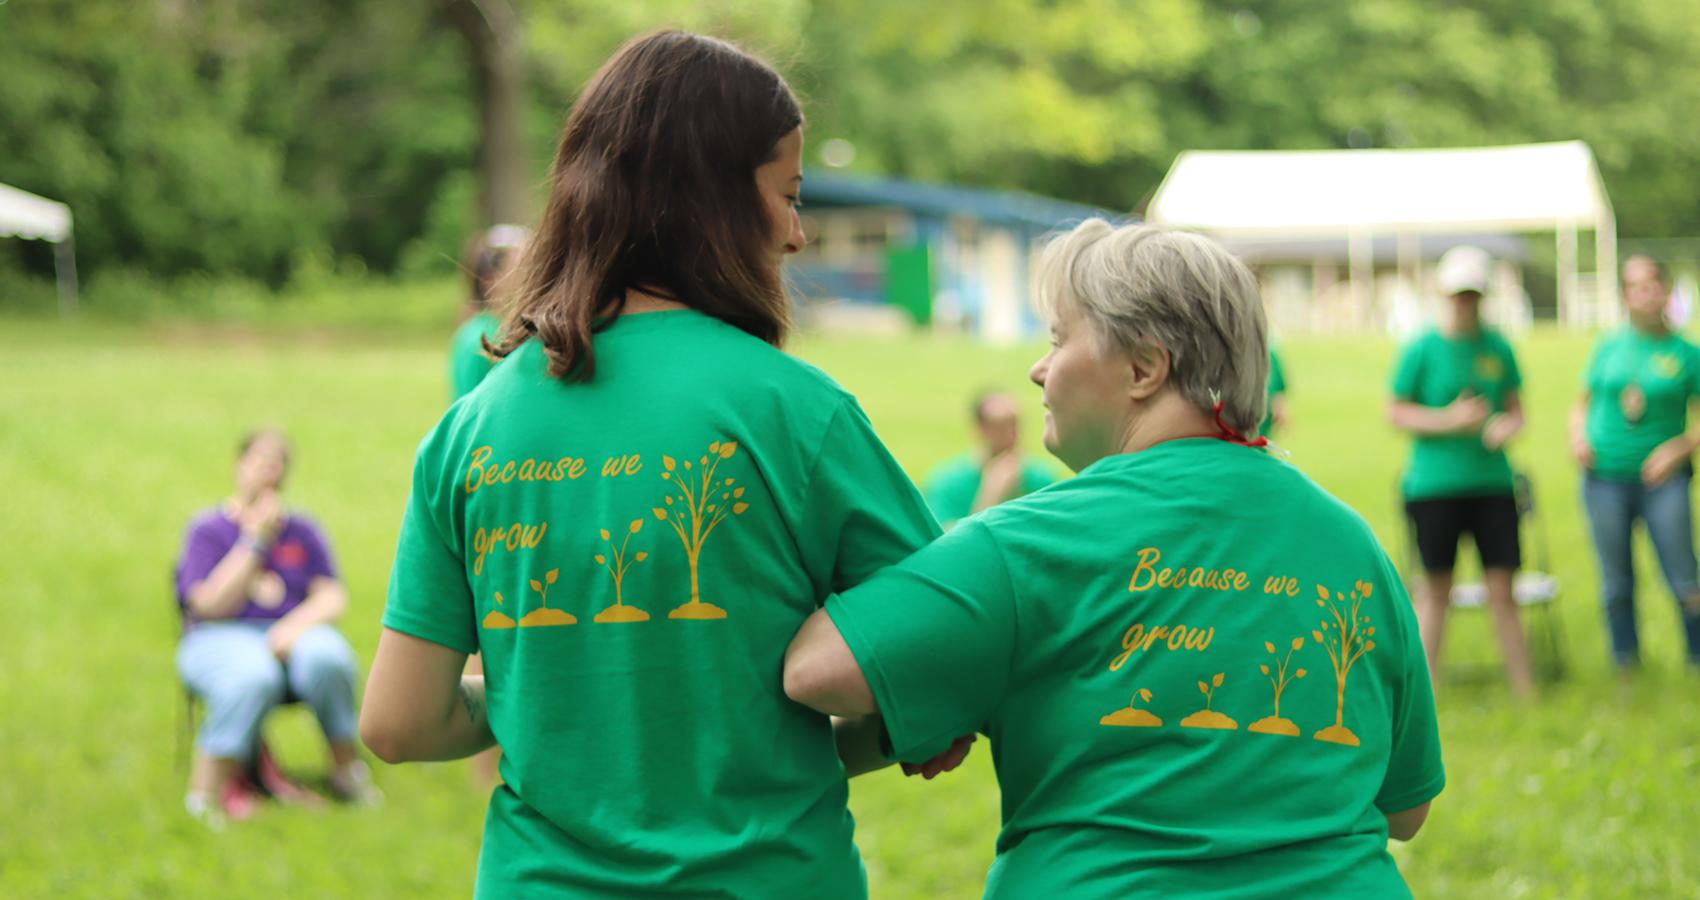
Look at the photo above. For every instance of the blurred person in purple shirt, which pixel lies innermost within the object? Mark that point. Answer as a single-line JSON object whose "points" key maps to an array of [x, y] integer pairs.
{"points": [[260, 594]]}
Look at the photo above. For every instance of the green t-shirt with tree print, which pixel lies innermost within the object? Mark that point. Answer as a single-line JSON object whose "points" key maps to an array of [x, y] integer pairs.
{"points": [[1200, 674], [632, 555]]}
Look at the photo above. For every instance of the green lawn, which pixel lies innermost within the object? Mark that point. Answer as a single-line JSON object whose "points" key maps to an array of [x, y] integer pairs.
{"points": [[112, 436]]}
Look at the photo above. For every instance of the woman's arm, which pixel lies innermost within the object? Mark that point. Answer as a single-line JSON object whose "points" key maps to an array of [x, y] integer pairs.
{"points": [[221, 594], [1461, 416], [1671, 455], [1502, 427], [822, 674], [1402, 826], [326, 601], [418, 706], [1580, 446]]}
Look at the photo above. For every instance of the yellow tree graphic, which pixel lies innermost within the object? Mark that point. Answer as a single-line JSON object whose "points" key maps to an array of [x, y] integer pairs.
{"points": [[1131, 716], [497, 618], [1207, 717], [544, 616], [1278, 677], [706, 502], [620, 612], [1347, 638]]}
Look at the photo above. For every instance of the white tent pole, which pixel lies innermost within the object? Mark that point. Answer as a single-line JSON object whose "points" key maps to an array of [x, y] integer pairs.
{"points": [[65, 274], [1605, 266], [1360, 254], [1569, 310]]}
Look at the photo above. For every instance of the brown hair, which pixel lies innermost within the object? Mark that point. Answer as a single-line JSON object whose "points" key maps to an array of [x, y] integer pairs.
{"points": [[654, 189]]}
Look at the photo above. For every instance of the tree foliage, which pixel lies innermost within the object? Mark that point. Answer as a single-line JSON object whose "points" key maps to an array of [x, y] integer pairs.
{"points": [[256, 136]]}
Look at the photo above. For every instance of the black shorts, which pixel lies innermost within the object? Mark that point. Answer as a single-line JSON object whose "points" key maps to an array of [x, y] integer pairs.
{"points": [[1491, 521]]}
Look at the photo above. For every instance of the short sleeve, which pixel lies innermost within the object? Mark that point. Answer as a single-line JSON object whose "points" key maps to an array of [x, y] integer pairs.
{"points": [[203, 549], [1408, 374], [1513, 375], [429, 596], [1415, 771], [321, 562], [1693, 370], [862, 513], [935, 638]]}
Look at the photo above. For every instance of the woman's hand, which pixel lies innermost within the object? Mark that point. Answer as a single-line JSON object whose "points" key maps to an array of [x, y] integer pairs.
{"points": [[944, 762], [1664, 461]]}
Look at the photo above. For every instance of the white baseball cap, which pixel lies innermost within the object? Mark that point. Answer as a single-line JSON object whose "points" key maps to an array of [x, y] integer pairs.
{"points": [[1463, 269]]}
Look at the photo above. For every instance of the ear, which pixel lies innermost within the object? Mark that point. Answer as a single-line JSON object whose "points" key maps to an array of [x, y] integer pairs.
{"points": [[1148, 370]]}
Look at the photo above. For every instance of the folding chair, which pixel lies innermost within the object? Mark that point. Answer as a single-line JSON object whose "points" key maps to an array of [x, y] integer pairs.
{"points": [[263, 772], [1535, 589]]}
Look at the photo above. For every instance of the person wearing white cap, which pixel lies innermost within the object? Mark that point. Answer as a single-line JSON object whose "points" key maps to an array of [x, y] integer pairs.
{"points": [[1456, 390]]}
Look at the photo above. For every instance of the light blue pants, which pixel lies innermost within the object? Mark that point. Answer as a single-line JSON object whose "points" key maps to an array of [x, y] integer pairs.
{"points": [[230, 667]]}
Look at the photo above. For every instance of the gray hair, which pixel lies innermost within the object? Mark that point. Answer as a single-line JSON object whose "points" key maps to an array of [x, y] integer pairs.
{"points": [[1143, 285]]}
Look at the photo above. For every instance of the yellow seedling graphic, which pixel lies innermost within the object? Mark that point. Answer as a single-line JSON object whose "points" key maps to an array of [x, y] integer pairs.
{"points": [[1278, 677], [1207, 717], [1131, 716], [706, 503], [1347, 638], [617, 567], [497, 618], [544, 616]]}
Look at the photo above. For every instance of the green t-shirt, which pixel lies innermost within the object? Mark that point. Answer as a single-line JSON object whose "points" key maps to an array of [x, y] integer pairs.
{"points": [[1153, 739], [633, 555], [467, 363], [1277, 386], [952, 486], [1434, 371], [1660, 375]]}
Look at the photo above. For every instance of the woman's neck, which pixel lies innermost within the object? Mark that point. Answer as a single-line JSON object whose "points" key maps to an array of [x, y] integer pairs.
{"points": [[639, 302], [1169, 417], [1656, 329]]}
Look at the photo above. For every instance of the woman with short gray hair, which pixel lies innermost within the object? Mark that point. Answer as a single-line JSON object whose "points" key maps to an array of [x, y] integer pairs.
{"points": [[1200, 673]]}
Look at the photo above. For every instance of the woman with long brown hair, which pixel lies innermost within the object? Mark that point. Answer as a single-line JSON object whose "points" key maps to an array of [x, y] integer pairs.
{"points": [[638, 508]]}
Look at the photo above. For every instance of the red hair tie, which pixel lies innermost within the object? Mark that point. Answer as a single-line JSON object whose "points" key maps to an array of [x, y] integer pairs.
{"points": [[1234, 437]]}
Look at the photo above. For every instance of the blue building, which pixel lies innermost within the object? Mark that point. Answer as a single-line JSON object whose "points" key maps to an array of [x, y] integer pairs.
{"points": [[941, 256]]}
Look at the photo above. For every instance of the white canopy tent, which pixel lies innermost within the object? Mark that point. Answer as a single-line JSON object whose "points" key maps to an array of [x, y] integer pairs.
{"points": [[1359, 194], [25, 215]]}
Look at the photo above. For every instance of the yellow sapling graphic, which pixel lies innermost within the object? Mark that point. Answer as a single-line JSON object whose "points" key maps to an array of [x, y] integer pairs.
{"points": [[1131, 716], [705, 502], [1207, 717], [1347, 635], [616, 562], [497, 618], [1279, 677], [543, 616]]}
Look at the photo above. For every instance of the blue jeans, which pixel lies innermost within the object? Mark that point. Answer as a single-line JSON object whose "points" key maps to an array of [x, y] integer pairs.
{"points": [[229, 665], [1613, 508]]}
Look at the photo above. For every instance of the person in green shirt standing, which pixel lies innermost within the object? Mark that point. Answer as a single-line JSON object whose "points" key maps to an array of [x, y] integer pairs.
{"points": [[1276, 414], [489, 264], [636, 510], [997, 472], [1456, 391], [1629, 431], [1199, 672]]}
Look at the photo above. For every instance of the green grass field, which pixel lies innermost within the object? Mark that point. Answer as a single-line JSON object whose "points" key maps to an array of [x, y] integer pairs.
{"points": [[111, 436]]}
